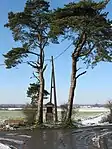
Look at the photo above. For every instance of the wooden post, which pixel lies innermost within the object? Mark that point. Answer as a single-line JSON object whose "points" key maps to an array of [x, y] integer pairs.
{"points": [[53, 86], [51, 90]]}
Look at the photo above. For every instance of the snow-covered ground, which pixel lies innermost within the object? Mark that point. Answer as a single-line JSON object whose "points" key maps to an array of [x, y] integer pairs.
{"points": [[2, 146], [94, 120], [93, 109]]}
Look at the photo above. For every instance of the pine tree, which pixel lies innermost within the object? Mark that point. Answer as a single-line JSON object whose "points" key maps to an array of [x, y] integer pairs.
{"points": [[86, 24], [30, 28]]}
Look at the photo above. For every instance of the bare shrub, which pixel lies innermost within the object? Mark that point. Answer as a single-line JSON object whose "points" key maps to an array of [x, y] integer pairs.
{"points": [[30, 113]]}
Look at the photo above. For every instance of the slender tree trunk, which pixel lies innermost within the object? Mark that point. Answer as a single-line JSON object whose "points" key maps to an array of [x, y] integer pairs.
{"points": [[41, 92], [40, 102], [72, 90], [75, 56]]}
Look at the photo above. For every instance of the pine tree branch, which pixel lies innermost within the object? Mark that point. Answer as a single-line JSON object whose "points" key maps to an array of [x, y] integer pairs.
{"points": [[44, 44], [34, 76], [33, 65], [81, 74], [79, 69], [79, 46], [88, 52], [44, 68], [33, 53]]}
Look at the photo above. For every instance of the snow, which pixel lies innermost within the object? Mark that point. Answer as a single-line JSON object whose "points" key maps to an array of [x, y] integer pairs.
{"points": [[96, 141], [12, 140], [93, 109], [94, 121], [2, 146], [26, 136]]}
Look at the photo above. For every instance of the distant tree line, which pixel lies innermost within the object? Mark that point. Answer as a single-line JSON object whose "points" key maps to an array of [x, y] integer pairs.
{"points": [[12, 105]]}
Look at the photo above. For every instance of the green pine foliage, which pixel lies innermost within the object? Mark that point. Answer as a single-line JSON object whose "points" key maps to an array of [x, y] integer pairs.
{"points": [[89, 18], [30, 28], [33, 93], [86, 25]]}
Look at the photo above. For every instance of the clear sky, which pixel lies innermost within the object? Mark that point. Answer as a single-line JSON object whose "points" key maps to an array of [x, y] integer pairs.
{"points": [[94, 87]]}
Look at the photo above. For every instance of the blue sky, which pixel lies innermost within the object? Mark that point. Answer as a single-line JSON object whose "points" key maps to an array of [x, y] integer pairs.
{"points": [[94, 87]]}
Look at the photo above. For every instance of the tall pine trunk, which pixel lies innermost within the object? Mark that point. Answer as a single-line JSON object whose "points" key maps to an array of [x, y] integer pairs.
{"points": [[75, 56], [71, 91], [40, 102], [41, 91]]}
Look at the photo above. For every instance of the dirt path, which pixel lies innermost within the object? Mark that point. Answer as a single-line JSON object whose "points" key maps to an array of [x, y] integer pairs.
{"points": [[55, 139]]}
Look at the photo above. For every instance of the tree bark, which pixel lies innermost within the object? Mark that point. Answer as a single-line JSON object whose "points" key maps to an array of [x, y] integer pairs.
{"points": [[41, 91], [40, 102], [75, 55], [72, 90]]}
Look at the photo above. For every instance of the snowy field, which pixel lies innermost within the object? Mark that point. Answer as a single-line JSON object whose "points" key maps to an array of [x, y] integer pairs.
{"points": [[82, 113], [86, 115], [94, 109]]}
